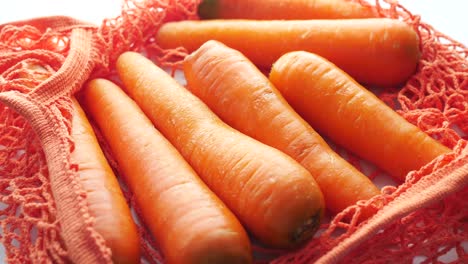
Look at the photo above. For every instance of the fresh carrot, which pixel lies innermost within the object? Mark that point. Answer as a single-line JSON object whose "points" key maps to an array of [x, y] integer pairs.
{"points": [[382, 52], [112, 217], [106, 203], [284, 9], [246, 100], [337, 106], [273, 196], [190, 224]]}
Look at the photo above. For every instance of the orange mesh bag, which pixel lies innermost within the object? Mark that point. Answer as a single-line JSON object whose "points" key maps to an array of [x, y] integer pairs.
{"points": [[44, 215]]}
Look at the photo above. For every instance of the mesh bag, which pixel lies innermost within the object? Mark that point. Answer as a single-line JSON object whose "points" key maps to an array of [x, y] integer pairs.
{"points": [[44, 217]]}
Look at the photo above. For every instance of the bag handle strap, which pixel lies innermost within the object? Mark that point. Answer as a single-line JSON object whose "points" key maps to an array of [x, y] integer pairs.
{"points": [[442, 182], [41, 109], [75, 69]]}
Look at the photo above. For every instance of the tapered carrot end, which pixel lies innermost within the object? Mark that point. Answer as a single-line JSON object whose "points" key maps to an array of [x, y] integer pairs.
{"points": [[206, 46], [126, 56], [209, 46]]}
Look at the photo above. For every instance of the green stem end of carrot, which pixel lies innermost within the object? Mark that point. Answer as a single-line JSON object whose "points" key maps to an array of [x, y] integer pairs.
{"points": [[208, 9]]}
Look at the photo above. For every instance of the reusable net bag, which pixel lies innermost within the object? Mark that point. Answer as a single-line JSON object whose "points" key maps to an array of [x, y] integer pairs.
{"points": [[44, 216]]}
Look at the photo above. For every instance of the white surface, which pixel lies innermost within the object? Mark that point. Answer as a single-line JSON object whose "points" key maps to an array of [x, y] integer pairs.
{"points": [[446, 16], [87, 10]]}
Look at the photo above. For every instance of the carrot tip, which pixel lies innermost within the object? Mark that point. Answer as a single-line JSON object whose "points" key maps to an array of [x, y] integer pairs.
{"points": [[308, 228]]}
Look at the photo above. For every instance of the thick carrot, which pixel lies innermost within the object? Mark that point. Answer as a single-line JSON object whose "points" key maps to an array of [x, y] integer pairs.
{"points": [[190, 224], [284, 9], [336, 105], [245, 99], [272, 195], [112, 217], [382, 52], [106, 203]]}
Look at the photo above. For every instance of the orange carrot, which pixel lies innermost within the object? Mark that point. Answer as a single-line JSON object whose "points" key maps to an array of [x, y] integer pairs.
{"points": [[284, 9], [382, 52], [190, 224], [112, 217], [272, 195], [245, 99], [106, 203], [336, 105]]}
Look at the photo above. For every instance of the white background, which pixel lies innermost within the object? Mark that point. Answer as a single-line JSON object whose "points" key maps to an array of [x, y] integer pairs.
{"points": [[448, 16]]}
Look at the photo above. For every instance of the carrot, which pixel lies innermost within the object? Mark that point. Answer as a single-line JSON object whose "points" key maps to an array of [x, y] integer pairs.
{"points": [[381, 52], [189, 223], [245, 99], [336, 105], [106, 203], [273, 196], [112, 217], [285, 9]]}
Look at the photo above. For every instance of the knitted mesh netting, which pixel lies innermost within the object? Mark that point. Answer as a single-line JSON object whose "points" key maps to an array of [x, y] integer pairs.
{"points": [[43, 212]]}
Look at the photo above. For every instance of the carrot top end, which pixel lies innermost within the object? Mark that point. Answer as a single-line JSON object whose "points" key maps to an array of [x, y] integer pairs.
{"points": [[208, 9], [308, 228]]}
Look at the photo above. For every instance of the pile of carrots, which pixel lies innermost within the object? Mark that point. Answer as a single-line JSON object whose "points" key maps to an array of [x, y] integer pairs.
{"points": [[236, 154]]}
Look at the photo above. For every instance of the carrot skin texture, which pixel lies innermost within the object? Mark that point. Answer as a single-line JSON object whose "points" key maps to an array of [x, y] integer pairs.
{"points": [[190, 224], [285, 9], [106, 203], [353, 117], [112, 217], [382, 52], [246, 100], [272, 195]]}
